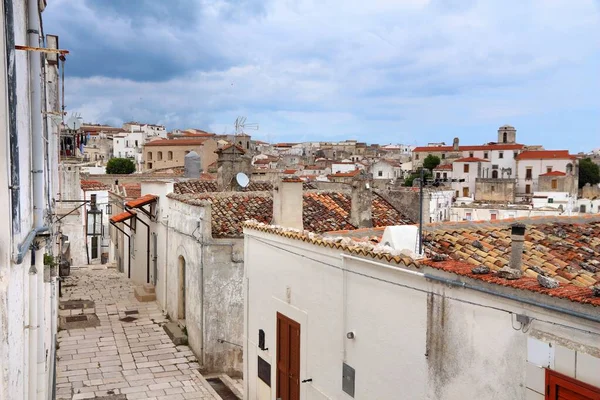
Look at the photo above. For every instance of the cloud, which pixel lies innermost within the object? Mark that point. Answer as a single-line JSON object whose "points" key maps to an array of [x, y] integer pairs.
{"points": [[382, 70]]}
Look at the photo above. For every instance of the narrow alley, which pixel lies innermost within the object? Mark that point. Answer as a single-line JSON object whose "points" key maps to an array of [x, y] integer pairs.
{"points": [[111, 346]]}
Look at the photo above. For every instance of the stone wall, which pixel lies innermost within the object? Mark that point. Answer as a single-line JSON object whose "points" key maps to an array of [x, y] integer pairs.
{"points": [[406, 201], [495, 190], [590, 192], [566, 183]]}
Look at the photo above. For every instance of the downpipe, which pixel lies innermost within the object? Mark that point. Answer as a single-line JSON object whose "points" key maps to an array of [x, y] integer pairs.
{"points": [[33, 328], [41, 306]]}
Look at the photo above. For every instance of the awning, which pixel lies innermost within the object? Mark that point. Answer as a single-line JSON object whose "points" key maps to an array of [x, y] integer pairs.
{"points": [[142, 201], [122, 217]]}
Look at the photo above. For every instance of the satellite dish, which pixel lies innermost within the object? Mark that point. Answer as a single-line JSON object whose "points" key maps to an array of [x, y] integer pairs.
{"points": [[242, 179], [74, 123]]}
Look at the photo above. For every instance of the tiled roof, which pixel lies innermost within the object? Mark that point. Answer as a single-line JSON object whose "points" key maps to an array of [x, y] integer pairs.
{"points": [[345, 174], [434, 149], [545, 155], [367, 248], [142, 201], [443, 167], [227, 147], [322, 211], [290, 171], [554, 173], [201, 186], [176, 142], [124, 216], [471, 159], [567, 250], [88, 185]]}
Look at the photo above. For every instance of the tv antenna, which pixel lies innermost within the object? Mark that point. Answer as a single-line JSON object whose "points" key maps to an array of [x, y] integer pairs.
{"points": [[241, 125]]}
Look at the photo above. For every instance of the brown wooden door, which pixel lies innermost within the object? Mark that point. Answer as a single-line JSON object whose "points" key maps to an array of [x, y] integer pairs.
{"points": [[465, 192], [288, 358], [561, 387]]}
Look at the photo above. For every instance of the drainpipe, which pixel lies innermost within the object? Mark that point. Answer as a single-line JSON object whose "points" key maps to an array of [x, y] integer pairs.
{"points": [[147, 250], [33, 328], [41, 305], [35, 87]]}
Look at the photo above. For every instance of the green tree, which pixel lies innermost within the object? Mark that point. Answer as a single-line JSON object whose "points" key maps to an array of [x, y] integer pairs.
{"points": [[589, 172], [410, 180], [431, 161], [120, 166]]}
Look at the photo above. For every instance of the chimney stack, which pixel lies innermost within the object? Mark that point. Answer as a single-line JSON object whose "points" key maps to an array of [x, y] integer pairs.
{"points": [[455, 146], [517, 236], [288, 203], [362, 198]]}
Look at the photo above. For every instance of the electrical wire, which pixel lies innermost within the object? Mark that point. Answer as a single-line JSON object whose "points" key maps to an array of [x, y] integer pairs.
{"points": [[425, 291]]}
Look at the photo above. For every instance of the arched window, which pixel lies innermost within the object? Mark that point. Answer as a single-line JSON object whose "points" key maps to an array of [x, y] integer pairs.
{"points": [[170, 155], [569, 168], [149, 155], [505, 137], [159, 156], [495, 174]]}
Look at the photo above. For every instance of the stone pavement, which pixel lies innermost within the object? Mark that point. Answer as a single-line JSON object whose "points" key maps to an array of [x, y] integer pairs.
{"points": [[119, 359]]}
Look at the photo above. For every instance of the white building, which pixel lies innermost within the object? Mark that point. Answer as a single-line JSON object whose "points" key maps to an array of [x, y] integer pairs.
{"points": [[386, 169], [465, 172], [337, 319], [546, 170], [28, 236]]}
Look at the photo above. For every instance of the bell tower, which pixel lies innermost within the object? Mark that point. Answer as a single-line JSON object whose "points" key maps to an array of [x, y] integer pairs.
{"points": [[507, 134]]}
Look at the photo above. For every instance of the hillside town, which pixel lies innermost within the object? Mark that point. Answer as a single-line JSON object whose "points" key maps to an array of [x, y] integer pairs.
{"points": [[147, 261]]}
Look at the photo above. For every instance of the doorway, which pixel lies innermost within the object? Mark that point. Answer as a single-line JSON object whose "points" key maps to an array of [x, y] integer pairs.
{"points": [[288, 358], [181, 291]]}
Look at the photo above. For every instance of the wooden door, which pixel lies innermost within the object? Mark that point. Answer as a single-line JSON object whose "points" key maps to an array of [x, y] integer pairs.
{"points": [[561, 387], [465, 192], [288, 358]]}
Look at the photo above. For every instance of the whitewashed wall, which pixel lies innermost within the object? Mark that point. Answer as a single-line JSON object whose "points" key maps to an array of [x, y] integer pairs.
{"points": [[408, 343]]}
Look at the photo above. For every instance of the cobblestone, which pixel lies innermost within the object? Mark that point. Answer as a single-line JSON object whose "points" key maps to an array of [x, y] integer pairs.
{"points": [[135, 359]]}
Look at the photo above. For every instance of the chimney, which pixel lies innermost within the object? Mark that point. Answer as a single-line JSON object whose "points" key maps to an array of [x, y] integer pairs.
{"points": [[362, 198], [517, 236], [287, 203], [455, 144]]}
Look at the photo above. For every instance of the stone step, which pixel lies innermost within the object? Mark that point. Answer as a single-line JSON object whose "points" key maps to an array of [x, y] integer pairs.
{"points": [[175, 333], [149, 288], [142, 295]]}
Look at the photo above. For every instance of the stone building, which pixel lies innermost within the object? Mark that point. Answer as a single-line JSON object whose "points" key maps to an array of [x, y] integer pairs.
{"points": [[169, 153]]}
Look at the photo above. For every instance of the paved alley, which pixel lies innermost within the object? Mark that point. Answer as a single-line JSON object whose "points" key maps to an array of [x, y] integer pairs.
{"points": [[127, 355]]}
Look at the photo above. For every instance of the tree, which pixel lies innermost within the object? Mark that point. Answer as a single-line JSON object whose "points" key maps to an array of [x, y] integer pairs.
{"points": [[589, 172], [120, 166], [416, 175], [431, 161]]}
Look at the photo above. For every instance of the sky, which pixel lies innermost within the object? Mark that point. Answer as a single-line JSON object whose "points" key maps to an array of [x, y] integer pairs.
{"points": [[380, 71]]}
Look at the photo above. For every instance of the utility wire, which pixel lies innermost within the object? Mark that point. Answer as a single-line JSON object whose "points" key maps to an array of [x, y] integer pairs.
{"points": [[422, 290]]}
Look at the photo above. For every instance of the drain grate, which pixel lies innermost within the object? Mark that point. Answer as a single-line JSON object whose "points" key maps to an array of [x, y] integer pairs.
{"points": [[222, 390], [128, 319], [131, 312], [76, 318], [76, 304]]}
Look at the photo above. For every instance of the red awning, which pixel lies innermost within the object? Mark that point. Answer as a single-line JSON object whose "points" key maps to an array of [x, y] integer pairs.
{"points": [[142, 201], [122, 217]]}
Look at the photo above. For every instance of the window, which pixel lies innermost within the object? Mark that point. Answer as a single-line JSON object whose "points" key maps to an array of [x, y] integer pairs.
{"points": [[559, 386], [550, 200], [527, 189], [554, 184], [493, 216], [437, 175], [445, 175], [485, 155], [500, 154], [149, 165], [416, 156], [468, 216], [515, 154], [470, 154], [159, 156], [466, 168], [169, 155], [443, 156], [379, 173], [505, 137], [149, 155], [136, 143], [247, 145], [548, 169], [528, 173], [495, 174], [569, 168]]}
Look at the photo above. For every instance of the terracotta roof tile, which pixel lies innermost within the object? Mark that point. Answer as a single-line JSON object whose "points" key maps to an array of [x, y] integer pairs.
{"points": [[345, 174], [202, 186], [495, 146], [554, 173], [545, 155], [322, 211], [90, 185], [471, 159], [124, 216], [176, 142], [141, 201]]}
